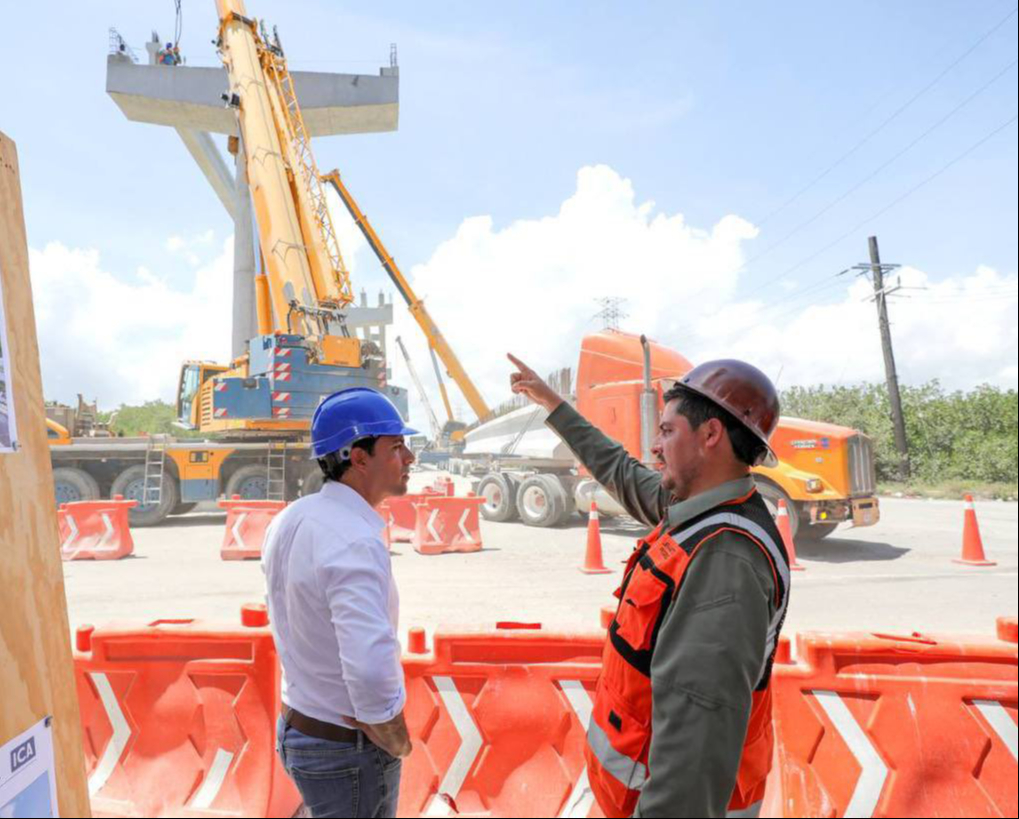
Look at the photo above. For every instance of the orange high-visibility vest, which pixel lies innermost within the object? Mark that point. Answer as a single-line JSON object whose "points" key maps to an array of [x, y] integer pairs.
{"points": [[619, 736]]}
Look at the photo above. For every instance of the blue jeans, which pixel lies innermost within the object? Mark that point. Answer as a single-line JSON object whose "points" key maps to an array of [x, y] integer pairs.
{"points": [[345, 779]]}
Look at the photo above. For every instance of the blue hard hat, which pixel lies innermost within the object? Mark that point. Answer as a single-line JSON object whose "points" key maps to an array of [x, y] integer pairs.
{"points": [[348, 416]]}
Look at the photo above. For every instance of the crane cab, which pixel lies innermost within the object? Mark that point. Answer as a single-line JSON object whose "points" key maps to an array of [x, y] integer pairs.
{"points": [[192, 375]]}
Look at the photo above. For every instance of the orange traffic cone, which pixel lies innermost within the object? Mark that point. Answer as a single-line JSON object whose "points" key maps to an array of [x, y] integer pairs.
{"points": [[786, 530], [593, 563], [972, 544]]}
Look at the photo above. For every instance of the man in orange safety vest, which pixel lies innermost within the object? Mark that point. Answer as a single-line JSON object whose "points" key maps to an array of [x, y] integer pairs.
{"points": [[682, 724]]}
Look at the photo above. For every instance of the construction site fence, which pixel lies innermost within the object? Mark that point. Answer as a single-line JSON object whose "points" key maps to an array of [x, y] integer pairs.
{"points": [[179, 720]]}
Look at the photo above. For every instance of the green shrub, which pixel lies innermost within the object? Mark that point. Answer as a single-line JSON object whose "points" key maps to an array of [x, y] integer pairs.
{"points": [[953, 436]]}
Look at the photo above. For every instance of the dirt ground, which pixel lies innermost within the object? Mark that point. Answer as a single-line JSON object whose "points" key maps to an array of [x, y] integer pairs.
{"points": [[897, 577]]}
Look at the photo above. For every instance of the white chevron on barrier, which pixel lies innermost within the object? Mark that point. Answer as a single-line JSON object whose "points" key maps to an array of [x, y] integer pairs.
{"points": [[73, 526], [102, 546], [1001, 723], [462, 526], [214, 779], [873, 770], [431, 525], [107, 535], [118, 740], [466, 755], [581, 799], [236, 530]]}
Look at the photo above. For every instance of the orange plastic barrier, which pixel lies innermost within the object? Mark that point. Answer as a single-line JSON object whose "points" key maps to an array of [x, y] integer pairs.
{"points": [[179, 719], [399, 512], [499, 723], [445, 524], [443, 486], [95, 530], [246, 522], [875, 725]]}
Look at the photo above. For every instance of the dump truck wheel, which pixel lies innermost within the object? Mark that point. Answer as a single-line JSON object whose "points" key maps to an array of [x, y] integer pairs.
{"points": [[72, 485], [541, 501], [312, 482], [500, 494], [131, 484], [817, 531], [772, 494]]}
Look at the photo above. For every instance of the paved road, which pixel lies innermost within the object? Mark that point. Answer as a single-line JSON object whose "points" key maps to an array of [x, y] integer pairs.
{"points": [[897, 577]]}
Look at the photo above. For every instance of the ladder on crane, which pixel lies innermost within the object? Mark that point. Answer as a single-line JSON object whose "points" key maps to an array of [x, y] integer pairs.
{"points": [[276, 475], [155, 467], [275, 64]]}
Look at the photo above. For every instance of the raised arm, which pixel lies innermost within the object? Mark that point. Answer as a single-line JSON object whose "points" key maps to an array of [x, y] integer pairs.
{"points": [[636, 488]]}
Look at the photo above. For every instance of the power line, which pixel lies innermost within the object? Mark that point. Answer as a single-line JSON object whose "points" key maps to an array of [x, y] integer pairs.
{"points": [[947, 166], [838, 200], [886, 122]]}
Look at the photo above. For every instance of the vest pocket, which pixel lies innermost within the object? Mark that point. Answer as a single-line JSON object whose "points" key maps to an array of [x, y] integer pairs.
{"points": [[639, 609], [618, 743]]}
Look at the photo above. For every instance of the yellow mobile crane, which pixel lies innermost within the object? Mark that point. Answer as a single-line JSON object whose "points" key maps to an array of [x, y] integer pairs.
{"points": [[436, 341], [303, 286]]}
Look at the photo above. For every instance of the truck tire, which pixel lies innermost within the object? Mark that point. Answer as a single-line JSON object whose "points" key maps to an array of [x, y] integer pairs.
{"points": [[131, 484], [817, 531], [541, 501], [569, 504], [500, 494], [251, 482], [772, 494], [312, 482], [72, 485]]}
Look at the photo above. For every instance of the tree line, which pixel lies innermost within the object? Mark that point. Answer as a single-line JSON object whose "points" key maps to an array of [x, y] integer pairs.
{"points": [[953, 436]]}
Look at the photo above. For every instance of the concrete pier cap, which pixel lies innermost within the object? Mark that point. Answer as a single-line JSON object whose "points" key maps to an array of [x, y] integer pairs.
{"points": [[191, 97]]}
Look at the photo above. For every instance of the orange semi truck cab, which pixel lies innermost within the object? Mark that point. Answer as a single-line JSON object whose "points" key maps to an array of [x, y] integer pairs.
{"points": [[826, 472]]}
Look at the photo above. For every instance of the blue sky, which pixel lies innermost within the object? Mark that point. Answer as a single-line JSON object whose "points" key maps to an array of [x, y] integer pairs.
{"points": [[707, 108]]}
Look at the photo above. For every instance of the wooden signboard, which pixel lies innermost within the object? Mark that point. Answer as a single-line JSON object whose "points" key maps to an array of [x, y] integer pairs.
{"points": [[38, 701]]}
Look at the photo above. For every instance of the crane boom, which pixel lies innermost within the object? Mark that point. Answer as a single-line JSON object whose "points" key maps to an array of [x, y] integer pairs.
{"points": [[432, 418], [417, 308], [442, 384], [308, 283]]}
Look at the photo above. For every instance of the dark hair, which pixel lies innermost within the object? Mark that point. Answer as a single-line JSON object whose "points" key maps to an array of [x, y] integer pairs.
{"points": [[697, 409], [334, 469]]}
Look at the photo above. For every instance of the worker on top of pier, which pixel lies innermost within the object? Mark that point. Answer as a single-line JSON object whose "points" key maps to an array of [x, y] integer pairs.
{"points": [[334, 607], [681, 724], [166, 55]]}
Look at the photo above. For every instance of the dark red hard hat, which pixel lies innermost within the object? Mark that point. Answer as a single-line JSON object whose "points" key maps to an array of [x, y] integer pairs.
{"points": [[744, 392]]}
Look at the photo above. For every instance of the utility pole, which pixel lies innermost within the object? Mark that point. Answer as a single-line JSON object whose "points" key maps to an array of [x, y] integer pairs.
{"points": [[877, 272]]}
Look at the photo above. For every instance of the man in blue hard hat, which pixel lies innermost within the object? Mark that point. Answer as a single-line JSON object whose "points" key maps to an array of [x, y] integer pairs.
{"points": [[333, 607]]}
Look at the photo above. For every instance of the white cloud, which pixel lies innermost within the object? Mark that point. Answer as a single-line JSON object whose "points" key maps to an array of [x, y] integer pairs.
{"points": [[530, 288], [960, 330], [122, 339]]}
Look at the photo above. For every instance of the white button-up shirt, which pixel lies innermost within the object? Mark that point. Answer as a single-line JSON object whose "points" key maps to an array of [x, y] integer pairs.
{"points": [[334, 608]]}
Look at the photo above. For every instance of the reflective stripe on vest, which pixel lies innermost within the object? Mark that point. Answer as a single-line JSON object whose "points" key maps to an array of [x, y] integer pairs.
{"points": [[628, 773], [619, 736], [740, 522], [753, 812]]}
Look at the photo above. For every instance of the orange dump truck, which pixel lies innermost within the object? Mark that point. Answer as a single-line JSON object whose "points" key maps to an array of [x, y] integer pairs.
{"points": [[825, 475]]}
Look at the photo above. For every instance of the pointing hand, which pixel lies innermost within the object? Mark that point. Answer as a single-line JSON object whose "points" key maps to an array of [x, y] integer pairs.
{"points": [[527, 382]]}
